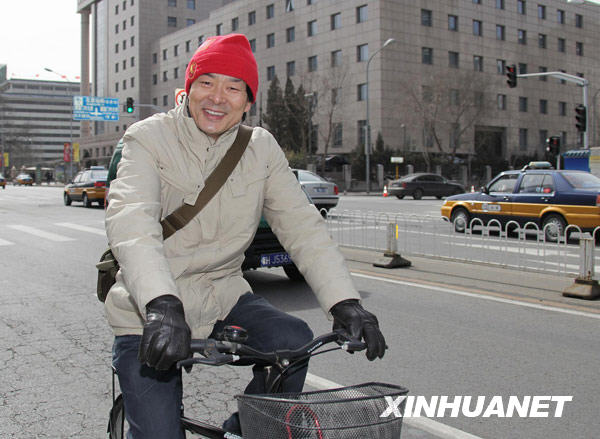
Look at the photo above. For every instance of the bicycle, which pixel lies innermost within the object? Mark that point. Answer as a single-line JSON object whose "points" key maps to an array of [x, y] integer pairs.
{"points": [[346, 412]]}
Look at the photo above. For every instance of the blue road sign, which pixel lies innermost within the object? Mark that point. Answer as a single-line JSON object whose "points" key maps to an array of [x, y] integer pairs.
{"points": [[95, 108]]}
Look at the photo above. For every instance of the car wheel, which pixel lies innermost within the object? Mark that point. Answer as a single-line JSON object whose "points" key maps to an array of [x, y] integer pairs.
{"points": [[101, 203], [554, 227], [86, 201], [67, 199], [460, 218], [293, 273], [399, 196], [417, 194]]}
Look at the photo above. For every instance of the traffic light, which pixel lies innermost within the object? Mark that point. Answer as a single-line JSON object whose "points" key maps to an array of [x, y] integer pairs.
{"points": [[553, 145], [129, 105], [511, 75], [581, 118]]}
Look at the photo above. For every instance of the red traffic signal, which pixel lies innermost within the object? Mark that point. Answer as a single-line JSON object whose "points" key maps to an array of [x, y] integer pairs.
{"points": [[511, 75], [581, 118]]}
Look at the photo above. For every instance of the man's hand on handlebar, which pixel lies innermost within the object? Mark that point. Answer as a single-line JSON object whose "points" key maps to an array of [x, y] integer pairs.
{"points": [[166, 335], [351, 317]]}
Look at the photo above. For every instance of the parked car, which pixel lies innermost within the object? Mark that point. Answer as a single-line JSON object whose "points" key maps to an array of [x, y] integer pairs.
{"points": [[323, 193], [265, 250], [421, 184], [24, 179], [549, 198], [2, 181], [88, 186]]}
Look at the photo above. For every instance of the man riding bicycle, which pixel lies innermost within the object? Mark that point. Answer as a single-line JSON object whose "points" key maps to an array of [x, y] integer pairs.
{"points": [[191, 285]]}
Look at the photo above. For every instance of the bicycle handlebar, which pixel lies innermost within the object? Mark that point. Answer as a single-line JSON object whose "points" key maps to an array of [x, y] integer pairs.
{"points": [[221, 352]]}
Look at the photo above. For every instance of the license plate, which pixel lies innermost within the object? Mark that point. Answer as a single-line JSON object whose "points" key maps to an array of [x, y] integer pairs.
{"points": [[320, 189], [275, 259]]}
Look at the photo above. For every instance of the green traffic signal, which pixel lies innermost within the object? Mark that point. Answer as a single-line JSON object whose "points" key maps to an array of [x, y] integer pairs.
{"points": [[129, 106]]}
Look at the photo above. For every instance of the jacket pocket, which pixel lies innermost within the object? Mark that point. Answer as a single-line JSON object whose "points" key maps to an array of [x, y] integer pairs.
{"points": [[241, 183]]}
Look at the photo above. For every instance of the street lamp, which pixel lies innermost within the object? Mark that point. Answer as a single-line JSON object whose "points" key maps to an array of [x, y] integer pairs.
{"points": [[367, 126]]}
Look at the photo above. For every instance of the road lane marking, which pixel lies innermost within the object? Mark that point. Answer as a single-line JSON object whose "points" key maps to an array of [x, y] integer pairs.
{"points": [[421, 423], [486, 295], [3, 242], [41, 233], [81, 228]]}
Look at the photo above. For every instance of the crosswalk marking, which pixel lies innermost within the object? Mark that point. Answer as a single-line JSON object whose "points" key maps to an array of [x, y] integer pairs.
{"points": [[81, 228], [41, 233]]}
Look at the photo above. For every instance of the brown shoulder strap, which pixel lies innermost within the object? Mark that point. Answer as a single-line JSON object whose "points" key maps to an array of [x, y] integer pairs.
{"points": [[183, 215]]}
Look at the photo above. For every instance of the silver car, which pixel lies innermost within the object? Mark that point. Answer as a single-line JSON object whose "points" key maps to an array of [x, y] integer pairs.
{"points": [[323, 193]]}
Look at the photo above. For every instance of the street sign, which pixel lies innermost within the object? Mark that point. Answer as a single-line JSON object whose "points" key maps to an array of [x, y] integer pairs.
{"points": [[95, 108], [180, 95], [397, 159]]}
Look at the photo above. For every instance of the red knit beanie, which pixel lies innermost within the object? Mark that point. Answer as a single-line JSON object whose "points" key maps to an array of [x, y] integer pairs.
{"points": [[229, 55]]}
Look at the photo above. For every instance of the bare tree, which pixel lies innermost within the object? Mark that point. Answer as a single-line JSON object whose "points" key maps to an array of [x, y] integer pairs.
{"points": [[447, 105]]}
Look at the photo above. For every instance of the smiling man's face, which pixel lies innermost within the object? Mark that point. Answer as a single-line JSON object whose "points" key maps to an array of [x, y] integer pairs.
{"points": [[217, 103]]}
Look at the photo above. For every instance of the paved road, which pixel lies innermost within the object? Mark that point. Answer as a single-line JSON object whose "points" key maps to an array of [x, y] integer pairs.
{"points": [[453, 329]]}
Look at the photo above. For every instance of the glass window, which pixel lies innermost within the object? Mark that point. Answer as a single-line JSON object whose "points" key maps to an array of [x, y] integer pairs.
{"points": [[522, 36], [336, 58], [500, 66], [521, 7], [522, 104], [289, 5], [165, 76], [478, 63], [426, 17], [541, 12], [270, 73], [172, 21], [219, 29], [543, 106], [532, 184], [426, 55], [453, 22], [362, 52], [290, 34], [253, 44], [164, 54], [477, 27], [453, 59], [579, 48], [562, 108], [235, 24], [176, 50], [361, 91], [251, 18], [562, 44], [578, 20], [165, 100], [542, 41], [361, 14], [172, 3], [188, 45], [522, 68], [499, 4], [154, 79], [542, 69], [311, 28], [500, 32], [270, 11], [291, 68], [191, 4], [176, 73], [116, 67], [336, 21], [312, 63], [270, 40], [560, 16], [523, 135], [337, 134], [501, 101]]}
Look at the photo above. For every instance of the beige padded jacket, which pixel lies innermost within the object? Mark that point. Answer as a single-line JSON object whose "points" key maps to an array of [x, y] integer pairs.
{"points": [[165, 161]]}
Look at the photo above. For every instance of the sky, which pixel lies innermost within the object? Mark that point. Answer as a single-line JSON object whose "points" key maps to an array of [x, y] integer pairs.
{"points": [[36, 34]]}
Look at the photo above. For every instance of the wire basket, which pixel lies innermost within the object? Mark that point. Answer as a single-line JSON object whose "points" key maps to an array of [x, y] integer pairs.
{"points": [[343, 413]]}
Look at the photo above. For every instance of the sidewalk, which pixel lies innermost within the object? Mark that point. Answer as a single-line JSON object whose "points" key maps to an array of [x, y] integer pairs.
{"points": [[474, 277]]}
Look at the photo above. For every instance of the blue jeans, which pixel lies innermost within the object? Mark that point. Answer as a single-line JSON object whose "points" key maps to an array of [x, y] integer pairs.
{"points": [[153, 399]]}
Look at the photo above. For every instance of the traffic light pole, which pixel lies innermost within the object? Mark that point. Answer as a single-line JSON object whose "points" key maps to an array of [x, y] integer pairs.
{"points": [[582, 82]]}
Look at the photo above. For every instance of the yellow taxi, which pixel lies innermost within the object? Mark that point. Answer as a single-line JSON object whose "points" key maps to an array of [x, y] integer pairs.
{"points": [[2, 181], [551, 199], [88, 186]]}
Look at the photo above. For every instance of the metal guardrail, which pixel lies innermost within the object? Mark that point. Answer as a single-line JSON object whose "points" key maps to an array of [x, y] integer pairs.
{"points": [[522, 247]]}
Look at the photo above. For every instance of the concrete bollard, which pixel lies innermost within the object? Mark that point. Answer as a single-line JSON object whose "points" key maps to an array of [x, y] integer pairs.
{"points": [[585, 286], [391, 258]]}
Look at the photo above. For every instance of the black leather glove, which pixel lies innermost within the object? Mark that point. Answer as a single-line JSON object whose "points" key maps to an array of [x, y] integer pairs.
{"points": [[166, 336], [359, 323]]}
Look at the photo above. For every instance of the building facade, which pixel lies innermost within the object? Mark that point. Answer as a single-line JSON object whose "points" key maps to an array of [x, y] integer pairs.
{"points": [[36, 120], [438, 87]]}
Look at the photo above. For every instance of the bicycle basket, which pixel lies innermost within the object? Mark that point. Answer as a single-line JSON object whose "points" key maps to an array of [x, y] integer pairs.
{"points": [[343, 413]]}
